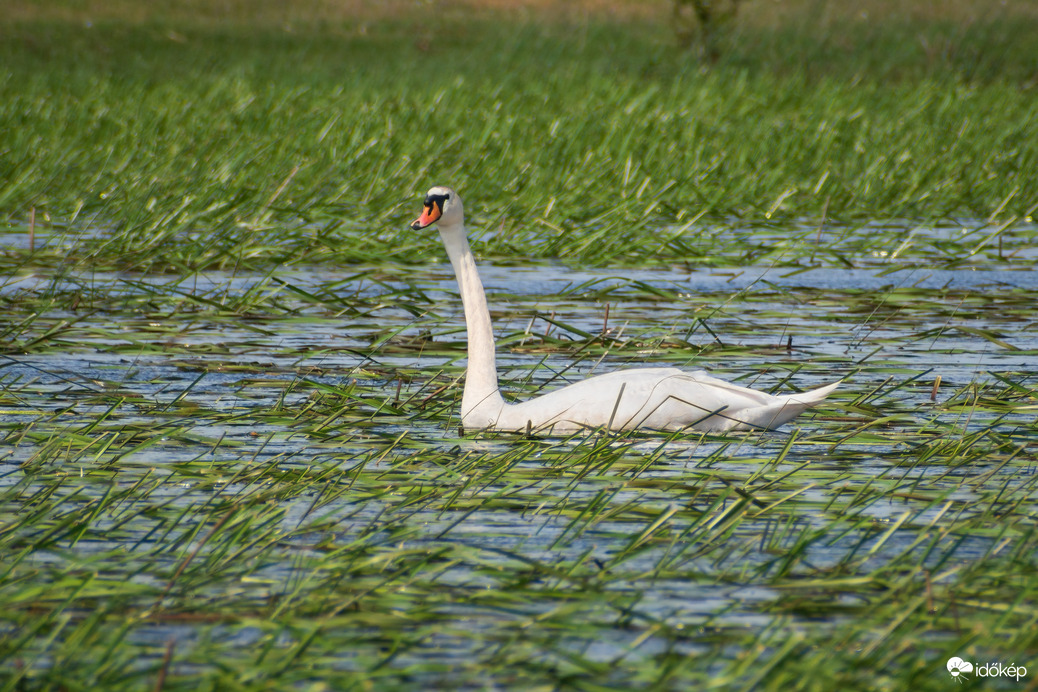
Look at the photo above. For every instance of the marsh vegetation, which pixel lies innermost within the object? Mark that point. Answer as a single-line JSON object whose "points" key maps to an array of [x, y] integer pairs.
{"points": [[229, 373]]}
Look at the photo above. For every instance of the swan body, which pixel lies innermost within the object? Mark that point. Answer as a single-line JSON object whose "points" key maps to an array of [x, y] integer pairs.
{"points": [[639, 398]]}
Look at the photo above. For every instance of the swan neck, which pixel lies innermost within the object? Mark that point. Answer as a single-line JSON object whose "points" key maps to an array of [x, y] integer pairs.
{"points": [[481, 401]]}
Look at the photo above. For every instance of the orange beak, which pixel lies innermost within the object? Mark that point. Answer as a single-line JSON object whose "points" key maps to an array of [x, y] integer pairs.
{"points": [[428, 217]]}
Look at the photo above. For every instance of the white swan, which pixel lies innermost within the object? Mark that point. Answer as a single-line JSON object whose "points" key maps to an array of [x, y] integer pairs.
{"points": [[652, 398]]}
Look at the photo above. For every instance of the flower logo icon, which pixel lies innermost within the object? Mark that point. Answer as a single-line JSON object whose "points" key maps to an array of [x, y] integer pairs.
{"points": [[957, 667]]}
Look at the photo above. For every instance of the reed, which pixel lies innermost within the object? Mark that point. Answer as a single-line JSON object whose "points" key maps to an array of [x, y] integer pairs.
{"points": [[229, 448]]}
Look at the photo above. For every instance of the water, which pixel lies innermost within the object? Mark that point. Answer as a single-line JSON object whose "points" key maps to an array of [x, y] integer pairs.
{"points": [[227, 363], [222, 381]]}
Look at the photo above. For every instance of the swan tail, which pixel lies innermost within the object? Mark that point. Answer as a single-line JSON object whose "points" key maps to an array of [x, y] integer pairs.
{"points": [[780, 411], [812, 397], [792, 405]]}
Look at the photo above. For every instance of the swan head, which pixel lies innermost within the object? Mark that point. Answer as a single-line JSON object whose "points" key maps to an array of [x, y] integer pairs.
{"points": [[442, 205]]}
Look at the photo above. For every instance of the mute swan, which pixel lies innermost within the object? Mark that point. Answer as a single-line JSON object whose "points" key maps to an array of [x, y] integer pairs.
{"points": [[652, 398]]}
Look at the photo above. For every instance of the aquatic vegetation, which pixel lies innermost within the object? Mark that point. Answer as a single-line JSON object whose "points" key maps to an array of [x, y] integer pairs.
{"points": [[263, 477], [229, 373]]}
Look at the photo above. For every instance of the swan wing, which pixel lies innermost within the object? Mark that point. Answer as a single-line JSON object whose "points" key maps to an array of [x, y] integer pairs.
{"points": [[655, 398]]}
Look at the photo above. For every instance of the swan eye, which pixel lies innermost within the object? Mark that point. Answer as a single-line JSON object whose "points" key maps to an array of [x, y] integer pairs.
{"points": [[438, 200]]}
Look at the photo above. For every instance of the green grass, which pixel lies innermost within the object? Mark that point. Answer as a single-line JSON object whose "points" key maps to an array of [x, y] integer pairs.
{"points": [[252, 479], [229, 145], [259, 484]]}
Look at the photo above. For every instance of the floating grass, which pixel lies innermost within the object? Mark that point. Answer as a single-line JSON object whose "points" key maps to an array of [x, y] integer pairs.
{"points": [[229, 374], [182, 515]]}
